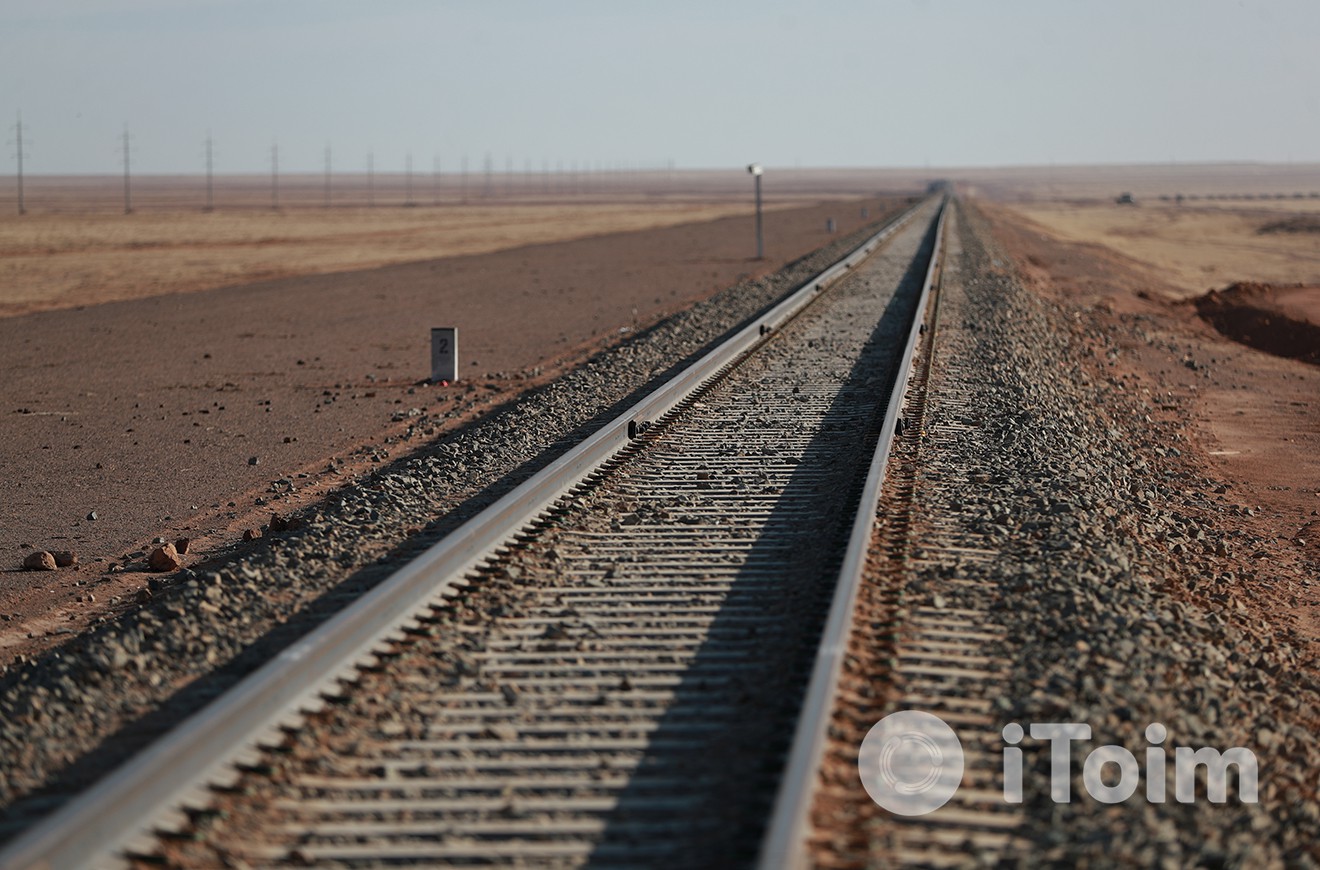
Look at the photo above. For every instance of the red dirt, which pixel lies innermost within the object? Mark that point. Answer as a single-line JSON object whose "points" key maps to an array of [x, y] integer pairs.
{"points": [[1252, 419], [149, 411], [1281, 320]]}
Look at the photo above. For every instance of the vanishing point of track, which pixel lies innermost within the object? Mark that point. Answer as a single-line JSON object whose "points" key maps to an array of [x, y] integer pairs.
{"points": [[629, 660]]}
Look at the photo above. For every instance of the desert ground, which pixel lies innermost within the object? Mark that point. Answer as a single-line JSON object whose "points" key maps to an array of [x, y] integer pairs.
{"points": [[1196, 247], [60, 261], [155, 389], [151, 357], [1227, 182], [1225, 296], [76, 246]]}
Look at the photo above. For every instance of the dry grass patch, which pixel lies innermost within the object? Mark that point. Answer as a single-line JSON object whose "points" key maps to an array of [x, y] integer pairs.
{"points": [[1193, 248], [64, 260]]}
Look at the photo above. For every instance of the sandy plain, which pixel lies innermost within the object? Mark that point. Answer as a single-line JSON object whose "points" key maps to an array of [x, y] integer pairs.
{"points": [[75, 245], [58, 260], [1228, 182], [1194, 248]]}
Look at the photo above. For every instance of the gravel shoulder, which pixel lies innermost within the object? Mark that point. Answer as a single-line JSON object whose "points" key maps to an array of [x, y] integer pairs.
{"points": [[1109, 560], [1248, 419], [69, 715]]}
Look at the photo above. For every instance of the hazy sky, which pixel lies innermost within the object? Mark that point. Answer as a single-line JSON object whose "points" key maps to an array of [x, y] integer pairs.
{"points": [[701, 82]]}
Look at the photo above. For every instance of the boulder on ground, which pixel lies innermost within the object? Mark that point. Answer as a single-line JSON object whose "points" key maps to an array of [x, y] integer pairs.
{"points": [[40, 561], [165, 558]]}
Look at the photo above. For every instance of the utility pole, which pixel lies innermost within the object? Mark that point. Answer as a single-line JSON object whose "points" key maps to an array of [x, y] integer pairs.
{"points": [[756, 171], [489, 167], [128, 190], [327, 176], [407, 179], [435, 180], [371, 179], [210, 186], [275, 176], [18, 152], [465, 178]]}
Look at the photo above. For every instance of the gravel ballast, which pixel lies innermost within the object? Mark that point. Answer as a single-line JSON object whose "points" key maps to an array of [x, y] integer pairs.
{"points": [[623, 682], [1099, 555]]}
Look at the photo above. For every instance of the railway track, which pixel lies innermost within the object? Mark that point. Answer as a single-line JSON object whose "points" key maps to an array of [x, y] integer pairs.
{"points": [[917, 645], [628, 660]]}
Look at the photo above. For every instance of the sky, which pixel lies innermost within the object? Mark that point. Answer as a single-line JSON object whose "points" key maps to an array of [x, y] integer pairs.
{"points": [[624, 83]]}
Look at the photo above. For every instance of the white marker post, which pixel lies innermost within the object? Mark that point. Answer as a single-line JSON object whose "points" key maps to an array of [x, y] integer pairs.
{"points": [[756, 173], [444, 354]]}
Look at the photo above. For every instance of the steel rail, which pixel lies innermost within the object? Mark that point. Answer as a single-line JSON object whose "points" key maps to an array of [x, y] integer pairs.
{"points": [[785, 841], [120, 812]]}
